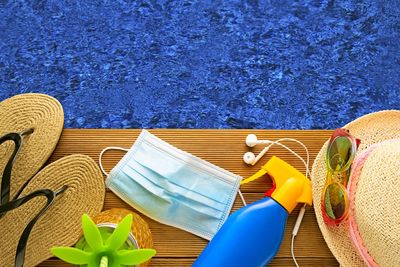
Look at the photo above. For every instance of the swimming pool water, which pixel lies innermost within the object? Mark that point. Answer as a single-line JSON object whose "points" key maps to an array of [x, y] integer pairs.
{"points": [[204, 64]]}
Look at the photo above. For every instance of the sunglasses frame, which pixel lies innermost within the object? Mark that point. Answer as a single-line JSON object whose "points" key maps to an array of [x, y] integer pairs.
{"points": [[333, 175]]}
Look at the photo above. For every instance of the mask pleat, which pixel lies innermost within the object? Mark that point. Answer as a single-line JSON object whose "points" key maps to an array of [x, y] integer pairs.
{"points": [[172, 187], [163, 208], [189, 177], [174, 195]]}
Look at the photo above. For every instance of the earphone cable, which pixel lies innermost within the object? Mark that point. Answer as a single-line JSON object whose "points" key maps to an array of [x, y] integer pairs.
{"points": [[242, 198], [292, 251], [308, 175], [306, 163]]}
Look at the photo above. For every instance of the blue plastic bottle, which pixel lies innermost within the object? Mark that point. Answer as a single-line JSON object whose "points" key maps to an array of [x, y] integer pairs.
{"points": [[252, 235]]}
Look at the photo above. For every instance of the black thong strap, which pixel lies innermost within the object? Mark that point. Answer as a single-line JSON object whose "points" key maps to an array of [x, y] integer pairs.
{"points": [[6, 177], [50, 195]]}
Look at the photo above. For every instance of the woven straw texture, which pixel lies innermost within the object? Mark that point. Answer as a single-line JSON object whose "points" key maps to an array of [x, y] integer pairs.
{"points": [[371, 129], [376, 208], [61, 224], [140, 229], [41, 112], [356, 169]]}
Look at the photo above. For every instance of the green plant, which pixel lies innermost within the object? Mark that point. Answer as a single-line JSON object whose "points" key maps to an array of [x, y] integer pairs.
{"points": [[107, 251]]}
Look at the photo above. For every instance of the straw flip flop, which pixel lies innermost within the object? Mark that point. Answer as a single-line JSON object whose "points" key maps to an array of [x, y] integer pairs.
{"points": [[30, 127], [67, 188]]}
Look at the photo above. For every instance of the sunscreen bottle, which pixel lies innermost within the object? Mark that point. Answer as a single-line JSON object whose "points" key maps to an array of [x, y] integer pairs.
{"points": [[252, 235]]}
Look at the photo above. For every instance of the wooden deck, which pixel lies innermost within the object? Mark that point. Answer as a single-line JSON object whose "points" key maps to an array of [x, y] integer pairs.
{"points": [[224, 148]]}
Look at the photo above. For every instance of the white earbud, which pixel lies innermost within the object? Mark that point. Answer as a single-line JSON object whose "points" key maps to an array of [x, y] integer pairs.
{"points": [[251, 140], [249, 157]]}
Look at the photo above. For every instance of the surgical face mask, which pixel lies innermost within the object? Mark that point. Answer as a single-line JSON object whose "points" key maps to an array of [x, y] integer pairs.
{"points": [[174, 187]]}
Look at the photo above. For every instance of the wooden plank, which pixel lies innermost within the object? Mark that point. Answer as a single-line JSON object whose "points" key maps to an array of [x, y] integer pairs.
{"points": [[224, 148], [184, 262], [172, 242]]}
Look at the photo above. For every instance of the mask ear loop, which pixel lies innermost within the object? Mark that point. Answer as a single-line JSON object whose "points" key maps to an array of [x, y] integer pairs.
{"points": [[105, 150]]}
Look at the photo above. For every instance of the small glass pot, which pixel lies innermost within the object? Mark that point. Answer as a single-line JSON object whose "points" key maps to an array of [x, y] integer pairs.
{"points": [[139, 237], [106, 229]]}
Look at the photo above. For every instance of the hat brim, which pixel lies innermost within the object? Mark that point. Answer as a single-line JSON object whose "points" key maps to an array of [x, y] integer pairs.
{"points": [[370, 129]]}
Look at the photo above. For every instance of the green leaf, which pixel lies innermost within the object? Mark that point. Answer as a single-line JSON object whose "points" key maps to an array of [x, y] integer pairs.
{"points": [[71, 255], [137, 256], [93, 264], [116, 264], [120, 234], [91, 233]]}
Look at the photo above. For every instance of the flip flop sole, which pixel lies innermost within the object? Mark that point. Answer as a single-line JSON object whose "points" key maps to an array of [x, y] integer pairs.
{"points": [[61, 224], [21, 112]]}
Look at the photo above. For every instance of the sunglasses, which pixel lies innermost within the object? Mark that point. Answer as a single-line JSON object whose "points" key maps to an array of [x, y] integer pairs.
{"points": [[340, 153]]}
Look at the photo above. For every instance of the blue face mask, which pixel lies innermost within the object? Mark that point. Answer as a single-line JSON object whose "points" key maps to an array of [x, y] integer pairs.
{"points": [[174, 187]]}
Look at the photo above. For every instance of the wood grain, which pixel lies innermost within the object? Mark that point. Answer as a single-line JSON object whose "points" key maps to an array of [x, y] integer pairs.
{"points": [[224, 148], [182, 262]]}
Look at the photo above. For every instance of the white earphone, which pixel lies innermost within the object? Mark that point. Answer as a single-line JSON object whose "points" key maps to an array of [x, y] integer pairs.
{"points": [[251, 159], [251, 141]]}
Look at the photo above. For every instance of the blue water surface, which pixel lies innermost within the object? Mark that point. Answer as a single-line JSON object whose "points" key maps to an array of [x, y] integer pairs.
{"points": [[204, 64]]}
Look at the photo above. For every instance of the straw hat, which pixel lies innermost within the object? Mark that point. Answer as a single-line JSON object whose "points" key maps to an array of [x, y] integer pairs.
{"points": [[372, 232]]}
